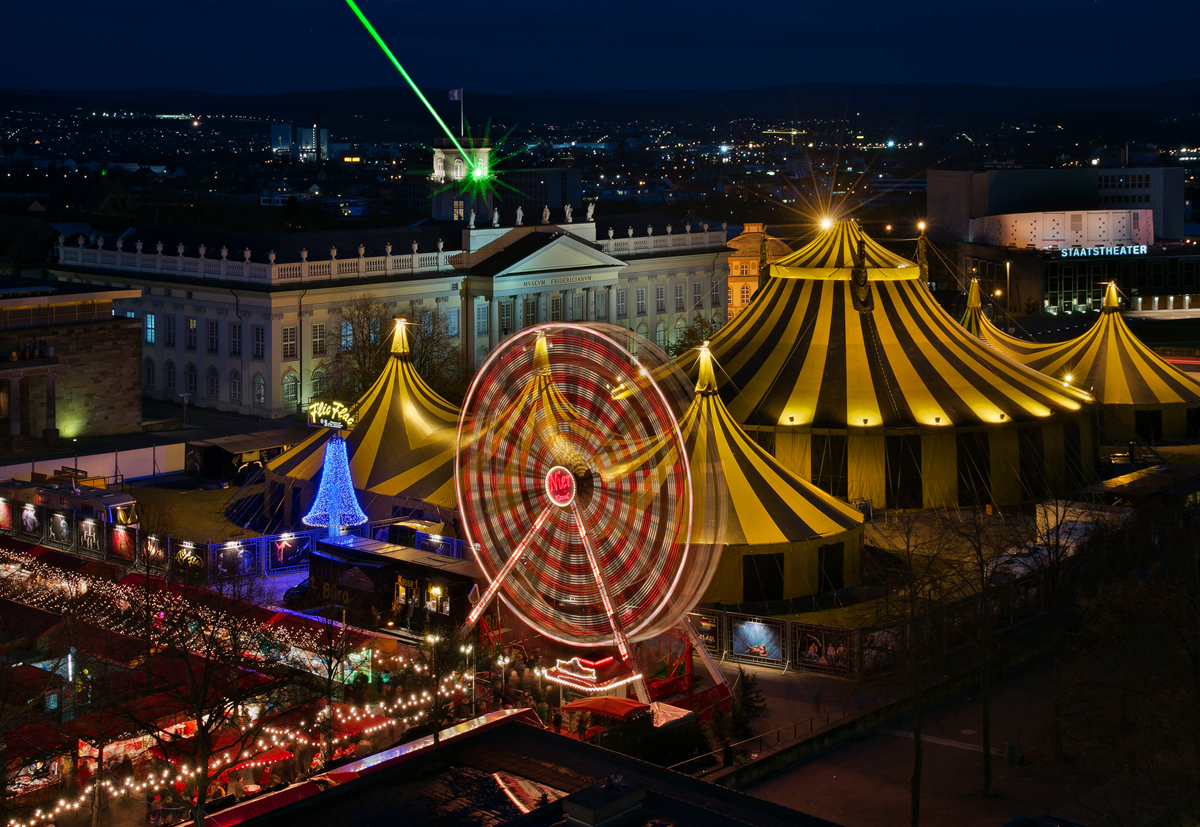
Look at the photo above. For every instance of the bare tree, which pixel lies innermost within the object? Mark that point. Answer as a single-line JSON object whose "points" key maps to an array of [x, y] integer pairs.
{"points": [[436, 350], [324, 675], [903, 644], [979, 540], [207, 652], [356, 345], [432, 678], [28, 695], [695, 334]]}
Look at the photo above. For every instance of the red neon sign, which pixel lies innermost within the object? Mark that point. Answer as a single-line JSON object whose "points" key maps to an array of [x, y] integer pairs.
{"points": [[560, 486]]}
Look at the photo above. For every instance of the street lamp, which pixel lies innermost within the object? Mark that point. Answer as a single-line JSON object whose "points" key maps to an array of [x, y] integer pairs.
{"points": [[1007, 285], [469, 650]]}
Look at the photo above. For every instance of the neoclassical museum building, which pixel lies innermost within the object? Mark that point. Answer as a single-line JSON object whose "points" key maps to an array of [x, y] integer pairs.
{"points": [[239, 320]]}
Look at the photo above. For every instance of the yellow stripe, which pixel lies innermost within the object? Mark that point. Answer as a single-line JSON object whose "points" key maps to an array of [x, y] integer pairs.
{"points": [[861, 402], [924, 405], [802, 399]]}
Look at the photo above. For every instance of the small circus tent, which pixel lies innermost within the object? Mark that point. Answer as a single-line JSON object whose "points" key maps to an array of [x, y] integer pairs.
{"points": [[780, 537], [1148, 395], [401, 450], [848, 369]]}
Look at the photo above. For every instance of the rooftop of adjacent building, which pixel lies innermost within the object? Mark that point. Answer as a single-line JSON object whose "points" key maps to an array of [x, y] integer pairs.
{"points": [[496, 775]]}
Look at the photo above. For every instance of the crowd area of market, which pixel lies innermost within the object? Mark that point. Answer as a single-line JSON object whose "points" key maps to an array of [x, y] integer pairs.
{"points": [[147, 690]]}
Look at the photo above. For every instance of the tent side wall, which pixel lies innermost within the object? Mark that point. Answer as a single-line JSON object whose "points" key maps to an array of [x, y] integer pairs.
{"points": [[1019, 461], [801, 568]]}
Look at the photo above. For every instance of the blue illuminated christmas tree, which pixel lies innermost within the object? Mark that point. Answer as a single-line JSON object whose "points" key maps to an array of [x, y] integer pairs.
{"points": [[336, 505]]}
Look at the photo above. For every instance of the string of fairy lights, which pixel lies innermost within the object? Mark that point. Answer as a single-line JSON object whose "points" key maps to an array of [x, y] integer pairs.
{"points": [[170, 617]]}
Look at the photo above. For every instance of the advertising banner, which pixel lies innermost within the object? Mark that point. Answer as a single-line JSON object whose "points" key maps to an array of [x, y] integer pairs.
{"points": [[88, 534], [188, 560], [286, 551], [708, 627], [6, 515], [154, 551], [122, 542], [30, 525], [756, 638], [60, 530], [237, 558], [821, 649]]}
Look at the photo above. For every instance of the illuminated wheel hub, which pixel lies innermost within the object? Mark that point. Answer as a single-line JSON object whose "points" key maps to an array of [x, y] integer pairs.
{"points": [[574, 484]]}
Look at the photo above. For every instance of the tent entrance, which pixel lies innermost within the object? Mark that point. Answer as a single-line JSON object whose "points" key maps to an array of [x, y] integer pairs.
{"points": [[1149, 425], [830, 562], [762, 578]]}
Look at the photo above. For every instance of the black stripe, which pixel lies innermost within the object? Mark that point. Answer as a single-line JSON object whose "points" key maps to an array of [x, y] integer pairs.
{"points": [[830, 411], [894, 409]]}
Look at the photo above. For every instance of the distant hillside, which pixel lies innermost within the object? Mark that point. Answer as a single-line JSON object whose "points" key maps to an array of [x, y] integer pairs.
{"points": [[396, 110]]}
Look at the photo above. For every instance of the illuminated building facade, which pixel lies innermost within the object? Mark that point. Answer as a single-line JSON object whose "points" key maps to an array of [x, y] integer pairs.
{"points": [[242, 325], [747, 261]]}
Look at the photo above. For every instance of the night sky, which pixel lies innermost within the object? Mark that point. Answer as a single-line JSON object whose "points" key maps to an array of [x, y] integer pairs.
{"points": [[262, 46]]}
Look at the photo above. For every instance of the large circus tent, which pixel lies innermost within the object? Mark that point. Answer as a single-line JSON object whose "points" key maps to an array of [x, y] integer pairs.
{"points": [[780, 537], [401, 450], [848, 369], [1146, 394]]}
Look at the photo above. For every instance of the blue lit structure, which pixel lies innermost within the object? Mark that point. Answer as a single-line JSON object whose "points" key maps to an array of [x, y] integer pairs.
{"points": [[336, 505]]}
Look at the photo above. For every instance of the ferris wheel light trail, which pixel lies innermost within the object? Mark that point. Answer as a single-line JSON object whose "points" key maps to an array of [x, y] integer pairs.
{"points": [[449, 134], [618, 632], [502, 575]]}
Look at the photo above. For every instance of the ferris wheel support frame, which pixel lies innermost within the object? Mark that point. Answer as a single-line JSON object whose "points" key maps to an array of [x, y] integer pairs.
{"points": [[563, 498]]}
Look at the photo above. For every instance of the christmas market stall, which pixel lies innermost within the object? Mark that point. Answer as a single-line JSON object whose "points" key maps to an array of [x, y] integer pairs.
{"points": [[381, 583]]}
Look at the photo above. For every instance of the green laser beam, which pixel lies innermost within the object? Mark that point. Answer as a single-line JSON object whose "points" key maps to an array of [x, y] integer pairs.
{"points": [[363, 19]]}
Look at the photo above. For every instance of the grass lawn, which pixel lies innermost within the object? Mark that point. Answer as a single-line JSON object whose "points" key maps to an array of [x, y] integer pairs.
{"points": [[194, 514]]}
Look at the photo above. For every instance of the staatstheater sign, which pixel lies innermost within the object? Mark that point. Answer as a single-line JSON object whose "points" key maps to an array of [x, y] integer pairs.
{"points": [[1131, 250]]}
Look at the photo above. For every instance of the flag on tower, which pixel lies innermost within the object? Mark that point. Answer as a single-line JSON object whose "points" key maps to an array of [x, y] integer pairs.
{"points": [[456, 94]]}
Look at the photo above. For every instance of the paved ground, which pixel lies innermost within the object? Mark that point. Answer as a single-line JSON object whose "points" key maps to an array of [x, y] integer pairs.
{"points": [[866, 783]]}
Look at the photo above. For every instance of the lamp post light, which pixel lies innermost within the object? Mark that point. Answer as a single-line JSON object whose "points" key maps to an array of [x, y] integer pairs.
{"points": [[1007, 286], [469, 650]]}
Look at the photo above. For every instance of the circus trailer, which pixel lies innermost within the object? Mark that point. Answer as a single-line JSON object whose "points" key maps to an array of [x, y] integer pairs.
{"points": [[381, 583], [233, 457]]}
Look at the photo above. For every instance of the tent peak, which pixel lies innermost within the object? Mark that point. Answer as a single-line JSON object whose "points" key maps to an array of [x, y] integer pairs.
{"points": [[400, 338], [706, 379], [1112, 298], [973, 299]]}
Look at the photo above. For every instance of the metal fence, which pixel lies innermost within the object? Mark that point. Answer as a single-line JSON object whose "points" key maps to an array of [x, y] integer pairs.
{"points": [[808, 647]]}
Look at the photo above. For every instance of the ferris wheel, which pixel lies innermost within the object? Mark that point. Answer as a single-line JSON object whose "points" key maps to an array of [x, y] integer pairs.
{"points": [[575, 487]]}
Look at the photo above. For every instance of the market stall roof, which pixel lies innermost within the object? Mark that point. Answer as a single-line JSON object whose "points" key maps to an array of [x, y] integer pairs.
{"points": [[347, 720], [819, 350], [257, 441], [1107, 359], [230, 749], [764, 503], [607, 705], [33, 742], [402, 444]]}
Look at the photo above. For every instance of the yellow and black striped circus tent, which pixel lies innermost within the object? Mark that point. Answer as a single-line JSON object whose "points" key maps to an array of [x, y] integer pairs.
{"points": [[780, 537], [1148, 395], [401, 449], [860, 382]]}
